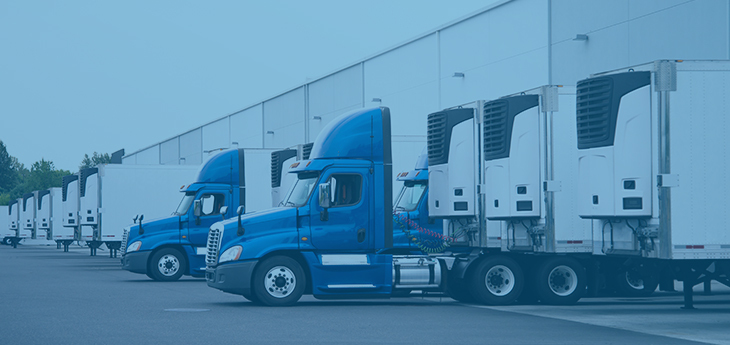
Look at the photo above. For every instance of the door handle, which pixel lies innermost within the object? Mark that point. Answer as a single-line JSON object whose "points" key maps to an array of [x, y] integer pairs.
{"points": [[361, 235]]}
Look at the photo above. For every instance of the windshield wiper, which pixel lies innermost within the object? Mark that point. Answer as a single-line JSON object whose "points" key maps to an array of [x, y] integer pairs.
{"points": [[289, 202], [400, 208]]}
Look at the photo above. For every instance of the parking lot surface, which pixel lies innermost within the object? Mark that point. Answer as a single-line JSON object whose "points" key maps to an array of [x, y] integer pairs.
{"points": [[69, 298]]}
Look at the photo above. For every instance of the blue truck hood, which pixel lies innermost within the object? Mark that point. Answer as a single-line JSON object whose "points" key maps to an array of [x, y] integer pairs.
{"points": [[256, 223], [151, 227]]}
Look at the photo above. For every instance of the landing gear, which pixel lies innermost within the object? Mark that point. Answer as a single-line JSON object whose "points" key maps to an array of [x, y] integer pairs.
{"points": [[93, 246], [113, 248]]}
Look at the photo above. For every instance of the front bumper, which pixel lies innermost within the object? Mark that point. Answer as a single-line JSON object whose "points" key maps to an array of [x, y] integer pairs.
{"points": [[233, 278], [136, 262]]}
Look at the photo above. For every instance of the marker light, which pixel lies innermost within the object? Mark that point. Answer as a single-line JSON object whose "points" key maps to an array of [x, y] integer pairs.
{"points": [[231, 254], [134, 246]]}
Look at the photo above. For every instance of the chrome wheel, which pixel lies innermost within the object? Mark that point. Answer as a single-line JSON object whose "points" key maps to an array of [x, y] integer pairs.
{"points": [[168, 265], [279, 282], [499, 280], [563, 280]]}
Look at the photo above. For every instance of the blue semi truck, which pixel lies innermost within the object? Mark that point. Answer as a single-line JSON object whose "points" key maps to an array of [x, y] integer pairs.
{"points": [[334, 237], [167, 248], [413, 229]]}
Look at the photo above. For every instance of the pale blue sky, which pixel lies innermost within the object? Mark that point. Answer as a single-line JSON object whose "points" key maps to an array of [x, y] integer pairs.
{"points": [[84, 76]]}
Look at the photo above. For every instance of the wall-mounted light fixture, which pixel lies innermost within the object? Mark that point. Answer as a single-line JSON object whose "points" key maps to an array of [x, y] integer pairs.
{"points": [[458, 75], [377, 100], [581, 37], [269, 132], [182, 160], [316, 117], [234, 144]]}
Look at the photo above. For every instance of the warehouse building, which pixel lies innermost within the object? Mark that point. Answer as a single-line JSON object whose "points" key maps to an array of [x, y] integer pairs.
{"points": [[508, 47]]}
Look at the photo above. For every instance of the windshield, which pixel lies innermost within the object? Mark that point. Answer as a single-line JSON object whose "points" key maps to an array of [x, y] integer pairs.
{"points": [[299, 193], [409, 197], [184, 204]]}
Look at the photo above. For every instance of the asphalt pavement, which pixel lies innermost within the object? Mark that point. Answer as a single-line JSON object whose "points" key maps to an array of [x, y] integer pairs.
{"points": [[52, 297]]}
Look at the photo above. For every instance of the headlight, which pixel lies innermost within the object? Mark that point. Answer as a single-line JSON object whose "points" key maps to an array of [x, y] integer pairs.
{"points": [[134, 246], [231, 254]]}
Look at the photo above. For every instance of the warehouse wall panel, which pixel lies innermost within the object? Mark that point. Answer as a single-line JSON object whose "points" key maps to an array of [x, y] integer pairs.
{"points": [[149, 156], [332, 96], [191, 147], [406, 81], [606, 49], [649, 35], [246, 127], [284, 120], [131, 159], [170, 151], [216, 135], [573, 17]]}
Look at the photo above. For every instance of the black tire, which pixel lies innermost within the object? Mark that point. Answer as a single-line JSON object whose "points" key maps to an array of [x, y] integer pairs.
{"points": [[560, 281], [166, 264], [496, 280], [631, 282], [278, 281], [7, 241], [252, 298]]}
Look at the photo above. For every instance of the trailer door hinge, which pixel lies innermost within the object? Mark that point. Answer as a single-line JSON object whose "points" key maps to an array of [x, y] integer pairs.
{"points": [[549, 100], [667, 180]]}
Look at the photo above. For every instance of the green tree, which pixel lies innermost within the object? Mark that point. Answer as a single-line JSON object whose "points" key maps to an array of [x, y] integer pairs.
{"points": [[94, 160], [8, 170]]}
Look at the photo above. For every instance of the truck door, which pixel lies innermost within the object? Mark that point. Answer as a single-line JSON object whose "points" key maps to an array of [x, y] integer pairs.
{"points": [[210, 205], [344, 226]]}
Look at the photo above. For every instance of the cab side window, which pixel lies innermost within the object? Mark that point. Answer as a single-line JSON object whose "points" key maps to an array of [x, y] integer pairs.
{"points": [[346, 189], [211, 203]]}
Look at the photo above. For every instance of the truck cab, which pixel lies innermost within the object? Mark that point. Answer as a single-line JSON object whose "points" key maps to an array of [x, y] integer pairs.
{"points": [[332, 238], [167, 248], [412, 227]]}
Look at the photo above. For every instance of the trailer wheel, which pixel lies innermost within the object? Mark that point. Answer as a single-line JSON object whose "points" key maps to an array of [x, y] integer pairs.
{"points": [[497, 280], [560, 281], [279, 281], [167, 264], [632, 283], [7, 241]]}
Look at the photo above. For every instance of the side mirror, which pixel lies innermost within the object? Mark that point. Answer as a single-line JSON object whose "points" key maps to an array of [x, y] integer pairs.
{"points": [[224, 210], [197, 208], [141, 230], [325, 193], [240, 230]]}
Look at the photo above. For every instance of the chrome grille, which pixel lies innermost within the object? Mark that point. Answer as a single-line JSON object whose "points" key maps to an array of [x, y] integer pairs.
{"points": [[213, 246], [123, 247]]}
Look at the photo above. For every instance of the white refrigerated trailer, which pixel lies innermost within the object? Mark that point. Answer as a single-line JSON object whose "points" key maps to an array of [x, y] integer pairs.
{"points": [[5, 233], [653, 159], [281, 161], [49, 217], [502, 174], [110, 196], [16, 228], [27, 216]]}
